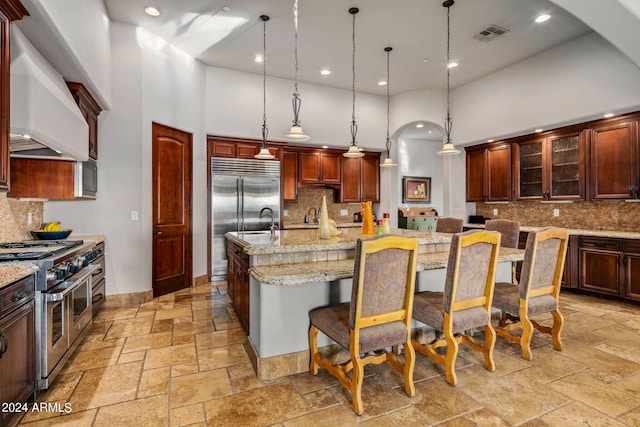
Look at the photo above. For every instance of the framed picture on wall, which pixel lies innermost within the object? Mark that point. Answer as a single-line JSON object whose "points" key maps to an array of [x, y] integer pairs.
{"points": [[416, 189]]}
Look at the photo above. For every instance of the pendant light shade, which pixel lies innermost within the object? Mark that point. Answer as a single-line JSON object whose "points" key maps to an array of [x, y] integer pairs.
{"points": [[295, 133], [448, 148], [388, 162], [353, 151], [264, 153]]}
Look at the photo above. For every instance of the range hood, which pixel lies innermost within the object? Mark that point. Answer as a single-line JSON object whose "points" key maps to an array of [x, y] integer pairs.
{"points": [[45, 120]]}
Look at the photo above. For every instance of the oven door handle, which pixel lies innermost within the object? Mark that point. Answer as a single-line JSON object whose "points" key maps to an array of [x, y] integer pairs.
{"points": [[70, 285]]}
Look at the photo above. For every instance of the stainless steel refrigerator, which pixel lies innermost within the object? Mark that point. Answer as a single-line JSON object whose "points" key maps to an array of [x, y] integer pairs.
{"points": [[241, 188]]}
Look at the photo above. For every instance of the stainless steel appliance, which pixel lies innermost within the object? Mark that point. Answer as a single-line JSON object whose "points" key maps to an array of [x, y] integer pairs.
{"points": [[63, 298], [241, 189]]}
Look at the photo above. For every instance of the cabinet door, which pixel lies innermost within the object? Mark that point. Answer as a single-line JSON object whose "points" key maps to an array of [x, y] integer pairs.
{"points": [[600, 271], [529, 170], [289, 176], [17, 368], [351, 179], [566, 172], [309, 167], [499, 173], [476, 175], [370, 178], [613, 162], [5, 28], [232, 271], [330, 168], [631, 263], [246, 150], [46, 179], [224, 149]]}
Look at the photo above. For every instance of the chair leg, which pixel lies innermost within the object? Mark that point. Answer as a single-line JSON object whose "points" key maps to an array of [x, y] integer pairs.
{"points": [[450, 358], [313, 349], [558, 321], [409, 364], [489, 344], [527, 333], [356, 384]]}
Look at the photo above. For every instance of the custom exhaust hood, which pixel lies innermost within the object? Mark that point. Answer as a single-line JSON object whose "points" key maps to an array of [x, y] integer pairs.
{"points": [[45, 121]]}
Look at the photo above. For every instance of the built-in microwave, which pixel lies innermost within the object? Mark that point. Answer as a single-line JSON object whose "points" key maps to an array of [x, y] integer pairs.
{"points": [[86, 179]]}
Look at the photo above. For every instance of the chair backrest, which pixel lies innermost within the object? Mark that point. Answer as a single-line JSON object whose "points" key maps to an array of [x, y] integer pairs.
{"points": [[383, 281], [449, 225], [543, 262], [471, 270], [510, 231]]}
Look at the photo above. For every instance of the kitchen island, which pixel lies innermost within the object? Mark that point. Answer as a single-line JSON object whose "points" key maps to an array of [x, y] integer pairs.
{"points": [[293, 271]]}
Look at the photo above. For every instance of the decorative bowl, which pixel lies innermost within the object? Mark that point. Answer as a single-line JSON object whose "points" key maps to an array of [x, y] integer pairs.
{"points": [[51, 235]]}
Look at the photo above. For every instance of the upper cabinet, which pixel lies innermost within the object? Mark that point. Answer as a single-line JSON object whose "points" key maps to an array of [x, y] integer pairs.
{"points": [[289, 174], [319, 167], [360, 179], [489, 173], [550, 167], [614, 160], [10, 10], [90, 110], [236, 148]]}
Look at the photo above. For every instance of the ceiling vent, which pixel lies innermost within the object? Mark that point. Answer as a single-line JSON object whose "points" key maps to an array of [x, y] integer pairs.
{"points": [[490, 33]]}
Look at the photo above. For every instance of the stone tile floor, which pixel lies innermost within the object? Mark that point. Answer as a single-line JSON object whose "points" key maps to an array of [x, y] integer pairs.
{"points": [[179, 360]]}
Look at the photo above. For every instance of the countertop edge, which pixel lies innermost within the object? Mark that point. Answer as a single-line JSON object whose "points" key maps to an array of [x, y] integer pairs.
{"points": [[580, 232], [12, 272]]}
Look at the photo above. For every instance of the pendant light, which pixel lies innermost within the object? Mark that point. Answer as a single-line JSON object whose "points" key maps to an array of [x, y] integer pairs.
{"points": [[388, 162], [448, 148], [296, 134], [264, 153], [353, 152]]}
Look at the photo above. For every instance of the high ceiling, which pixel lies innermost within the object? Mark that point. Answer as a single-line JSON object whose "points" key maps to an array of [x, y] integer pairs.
{"points": [[416, 29]]}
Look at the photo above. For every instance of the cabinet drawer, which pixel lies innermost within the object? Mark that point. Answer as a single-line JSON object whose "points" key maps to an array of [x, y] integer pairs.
{"points": [[632, 246], [600, 243], [17, 294]]}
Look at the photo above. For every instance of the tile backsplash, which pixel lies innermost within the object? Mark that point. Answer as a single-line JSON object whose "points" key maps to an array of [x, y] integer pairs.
{"points": [[311, 197], [615, 215], [14, 218]]}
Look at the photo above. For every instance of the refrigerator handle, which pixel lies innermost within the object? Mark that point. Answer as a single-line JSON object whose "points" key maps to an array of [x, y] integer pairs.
{"points": [[238, 206], [241, 199]]}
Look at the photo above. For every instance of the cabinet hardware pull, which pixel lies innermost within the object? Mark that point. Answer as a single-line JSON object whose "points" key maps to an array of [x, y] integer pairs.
{"points": [[18, 296], [601, 244], [6, 344], [624, 260], [631, 192], [635, 191]]}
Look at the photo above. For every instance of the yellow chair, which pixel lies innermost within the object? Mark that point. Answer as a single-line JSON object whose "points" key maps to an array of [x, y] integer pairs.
{"points": [[538, 291], [377, 318], [465, 303], [509, 237]]}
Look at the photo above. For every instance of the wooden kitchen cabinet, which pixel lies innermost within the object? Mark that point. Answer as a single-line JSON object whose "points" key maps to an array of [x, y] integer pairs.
{"points": [[90, 110], [360, 180], [10, 10], [489, 173], [319, 167], [614, 166], [17, 338], [238, 282], [600, 265], [289, 174], [631, 267], [239, 148], [98, 280], [550, 167]]}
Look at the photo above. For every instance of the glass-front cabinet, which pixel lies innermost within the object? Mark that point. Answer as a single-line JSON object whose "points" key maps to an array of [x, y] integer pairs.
{"points": [[550, 168]]}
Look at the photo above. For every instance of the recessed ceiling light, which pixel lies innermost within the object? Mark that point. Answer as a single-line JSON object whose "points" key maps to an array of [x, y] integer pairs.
{"points": [[452, 65], [425, 60], [225, 8], [419, 125], [325, 72], [606, 116], [151, 11], [382, 83], [490, 140], [325, 146], [538, 130], [543, 18], [259, 58]]}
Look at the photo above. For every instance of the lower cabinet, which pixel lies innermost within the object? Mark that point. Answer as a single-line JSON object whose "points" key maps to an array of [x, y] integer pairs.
{"points": [[17, 344], [98, 280], [418, 223], [238, 282]]}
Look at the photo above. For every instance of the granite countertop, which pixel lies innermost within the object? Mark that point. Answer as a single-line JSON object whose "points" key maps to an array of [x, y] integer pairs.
{"points": [[291, 241], [10, 273], [581, 232], [324, 271], [98, 238], [313, 226]]}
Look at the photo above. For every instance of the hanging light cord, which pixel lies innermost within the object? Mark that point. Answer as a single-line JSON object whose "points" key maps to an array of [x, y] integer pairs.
{"points": [[388, 141], [296, 102], [354, 125], [265, 129], [448, 123]]}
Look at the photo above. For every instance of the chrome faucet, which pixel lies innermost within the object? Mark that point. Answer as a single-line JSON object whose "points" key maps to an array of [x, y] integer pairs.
{"points": [[273, 227]]}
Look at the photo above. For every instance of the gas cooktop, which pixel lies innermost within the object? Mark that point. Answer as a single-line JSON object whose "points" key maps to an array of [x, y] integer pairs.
{"points": [[34, 249]]}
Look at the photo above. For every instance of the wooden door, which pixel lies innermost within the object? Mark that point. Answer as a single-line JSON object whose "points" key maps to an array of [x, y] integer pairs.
{"points": [[309, 167], [172, 230], [330, 166], [613, 162], [600, 271], [499, 173], [476, 175]]}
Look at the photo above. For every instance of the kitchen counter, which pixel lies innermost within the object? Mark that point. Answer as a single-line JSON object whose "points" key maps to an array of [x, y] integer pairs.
{"points": [[580, 232], [313, 226], [10, 273]]}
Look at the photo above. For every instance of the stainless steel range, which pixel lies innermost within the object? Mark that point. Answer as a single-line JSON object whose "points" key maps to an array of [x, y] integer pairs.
{"points": [[63, 298]]}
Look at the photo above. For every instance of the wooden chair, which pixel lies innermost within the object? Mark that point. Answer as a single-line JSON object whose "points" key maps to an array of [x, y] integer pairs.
{"points": [[538, 291], [449, 225], [465, 303], [509, 237], [377, 318]]}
